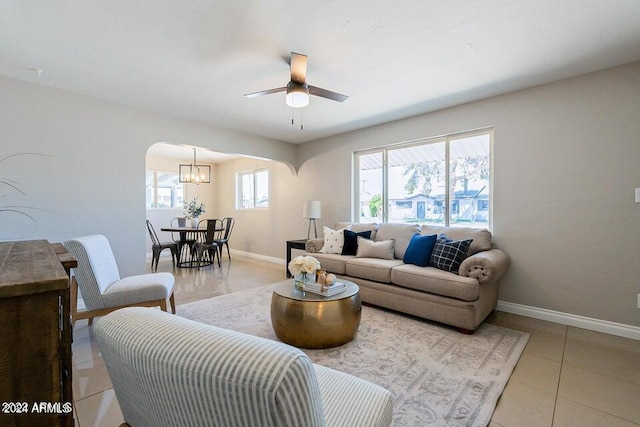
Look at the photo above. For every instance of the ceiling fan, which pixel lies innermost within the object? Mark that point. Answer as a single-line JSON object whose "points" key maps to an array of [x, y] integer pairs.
{"points": [[297, 89]]}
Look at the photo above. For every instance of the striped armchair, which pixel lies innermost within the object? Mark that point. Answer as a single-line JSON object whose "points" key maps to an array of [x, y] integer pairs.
{"points": [[170, 371], [103, 290]]}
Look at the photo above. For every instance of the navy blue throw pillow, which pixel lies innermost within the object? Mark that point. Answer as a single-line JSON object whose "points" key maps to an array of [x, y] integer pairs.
{"points": [[419, 250], [351, 241]]}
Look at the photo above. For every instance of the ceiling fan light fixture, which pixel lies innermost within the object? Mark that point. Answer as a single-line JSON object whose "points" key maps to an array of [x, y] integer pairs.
{"points": [[297, 95]]}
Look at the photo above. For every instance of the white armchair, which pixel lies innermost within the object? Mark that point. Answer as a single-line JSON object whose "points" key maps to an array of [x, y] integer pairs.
{"points": [[169, 371], [101, 287]]}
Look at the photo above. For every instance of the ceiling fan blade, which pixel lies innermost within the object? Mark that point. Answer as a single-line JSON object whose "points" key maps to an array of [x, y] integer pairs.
{"points": [[265, 92], [298, 67], [324, 93]]}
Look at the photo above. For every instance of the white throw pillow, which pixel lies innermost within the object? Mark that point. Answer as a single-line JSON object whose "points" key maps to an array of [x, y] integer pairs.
{"points": [[333, 241]]}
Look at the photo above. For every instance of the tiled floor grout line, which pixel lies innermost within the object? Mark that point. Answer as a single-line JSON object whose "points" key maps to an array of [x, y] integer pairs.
{"points": [[564, 349], [587, 370]]}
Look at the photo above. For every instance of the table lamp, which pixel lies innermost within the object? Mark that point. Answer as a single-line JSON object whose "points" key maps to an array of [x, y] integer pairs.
{"points": [[312, 211]]}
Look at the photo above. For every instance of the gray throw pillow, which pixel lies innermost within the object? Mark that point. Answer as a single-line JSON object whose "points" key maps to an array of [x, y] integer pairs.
{"points": [[370, 249]]}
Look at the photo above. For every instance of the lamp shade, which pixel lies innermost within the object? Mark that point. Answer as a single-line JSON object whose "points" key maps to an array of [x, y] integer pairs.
{"points": [[311, 209]]}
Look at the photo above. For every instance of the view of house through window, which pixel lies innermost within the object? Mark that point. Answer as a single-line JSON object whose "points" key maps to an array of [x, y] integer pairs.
{"points": [[252, 189], [442, 181], [163, 190]]}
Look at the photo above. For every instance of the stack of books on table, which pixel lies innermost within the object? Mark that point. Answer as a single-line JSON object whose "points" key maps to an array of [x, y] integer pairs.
{"points": [[324, 290]]}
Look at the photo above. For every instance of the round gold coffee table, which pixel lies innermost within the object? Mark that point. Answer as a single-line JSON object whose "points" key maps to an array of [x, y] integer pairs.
{"points": [[307, 320]]}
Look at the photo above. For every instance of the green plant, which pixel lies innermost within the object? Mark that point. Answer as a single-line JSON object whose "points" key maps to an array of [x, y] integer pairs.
{"points": [[375, 205], [194, 208]]}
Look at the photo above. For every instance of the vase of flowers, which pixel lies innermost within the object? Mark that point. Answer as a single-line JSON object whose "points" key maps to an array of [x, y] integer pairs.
{"points": [[193, 210], [303, 269]]}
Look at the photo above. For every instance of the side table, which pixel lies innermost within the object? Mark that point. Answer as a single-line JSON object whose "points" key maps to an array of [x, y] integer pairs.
{"points": [[307, 320], [293, 244]]}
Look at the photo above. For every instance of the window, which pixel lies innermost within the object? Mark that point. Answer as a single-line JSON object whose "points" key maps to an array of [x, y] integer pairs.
{"points": [[252, 189], [448, 178], [163, 190], [404, 205]]}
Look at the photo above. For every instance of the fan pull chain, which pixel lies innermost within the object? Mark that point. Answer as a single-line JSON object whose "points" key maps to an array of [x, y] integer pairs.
{"points": [[301, 118]]}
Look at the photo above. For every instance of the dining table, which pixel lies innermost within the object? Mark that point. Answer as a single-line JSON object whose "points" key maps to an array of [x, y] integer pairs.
{"points": [[188, 237]]}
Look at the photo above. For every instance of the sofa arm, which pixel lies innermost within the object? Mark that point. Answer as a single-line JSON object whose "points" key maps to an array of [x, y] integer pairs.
{"points": [[485, 266], [314, 245]]}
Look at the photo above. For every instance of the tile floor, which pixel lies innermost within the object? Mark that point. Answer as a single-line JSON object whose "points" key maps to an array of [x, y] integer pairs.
{"points": [[565, 377]]}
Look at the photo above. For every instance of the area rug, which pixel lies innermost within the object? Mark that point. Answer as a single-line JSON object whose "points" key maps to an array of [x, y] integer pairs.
{"points": [[438, 376]]}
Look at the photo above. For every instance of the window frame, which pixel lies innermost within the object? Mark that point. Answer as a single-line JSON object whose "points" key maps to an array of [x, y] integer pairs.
{"points": [[446, 139], [254, 184], [154, 202]]}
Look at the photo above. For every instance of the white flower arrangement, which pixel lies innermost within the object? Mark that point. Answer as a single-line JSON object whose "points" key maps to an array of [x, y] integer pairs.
{"points": [[303, 264], [194, 208]]}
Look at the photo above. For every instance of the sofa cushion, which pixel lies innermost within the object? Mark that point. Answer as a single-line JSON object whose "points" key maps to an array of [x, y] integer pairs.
{"points": [[434, 281], [419, 250], [333, 263], [401, 233], [370, 249], [333, 241], [378, 270], [481, 236], [351, 241], [357, 227], [447, 254]]}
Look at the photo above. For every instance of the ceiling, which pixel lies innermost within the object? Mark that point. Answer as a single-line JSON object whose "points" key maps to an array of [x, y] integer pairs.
{"points": [[196, 58], [185, 153]]}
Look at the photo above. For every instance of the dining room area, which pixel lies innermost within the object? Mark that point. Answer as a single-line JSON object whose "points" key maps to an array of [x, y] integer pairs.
{"points": [[193, 244], [183, 220]]}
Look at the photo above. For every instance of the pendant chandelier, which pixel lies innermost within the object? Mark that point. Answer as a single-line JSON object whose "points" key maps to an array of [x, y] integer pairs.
{"points": [[195, 173]]}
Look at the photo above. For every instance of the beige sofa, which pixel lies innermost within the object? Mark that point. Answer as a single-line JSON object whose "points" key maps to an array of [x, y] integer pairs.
{"points": [[462, 300]]}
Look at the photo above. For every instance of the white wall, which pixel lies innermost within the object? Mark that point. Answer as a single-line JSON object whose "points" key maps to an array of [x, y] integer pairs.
{"points": [[263, 231], [566, 162], [93, 181]]}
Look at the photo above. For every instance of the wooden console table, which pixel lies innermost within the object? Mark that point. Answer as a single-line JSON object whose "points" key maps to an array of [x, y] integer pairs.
{"points": [[35, 358]]}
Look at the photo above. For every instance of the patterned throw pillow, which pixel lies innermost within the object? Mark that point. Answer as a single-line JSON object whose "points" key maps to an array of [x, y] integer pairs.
{"points": [[351, 241], [333, 241], [447, 254]]}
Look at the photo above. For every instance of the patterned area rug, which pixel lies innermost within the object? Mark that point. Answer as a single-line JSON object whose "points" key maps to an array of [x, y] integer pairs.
{"points": [[438, 376]]}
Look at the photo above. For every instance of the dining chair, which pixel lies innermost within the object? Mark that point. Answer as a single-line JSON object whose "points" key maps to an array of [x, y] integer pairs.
{"points": [[210, 244], [228, 224], [157, 247], [187, 240], [202, 224], [103, 290], [177, 222]]}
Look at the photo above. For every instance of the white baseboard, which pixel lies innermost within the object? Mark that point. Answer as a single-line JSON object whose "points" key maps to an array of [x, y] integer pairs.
{"points": [[260, 257], [275, 260], [583, 322], [163, 254]]}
